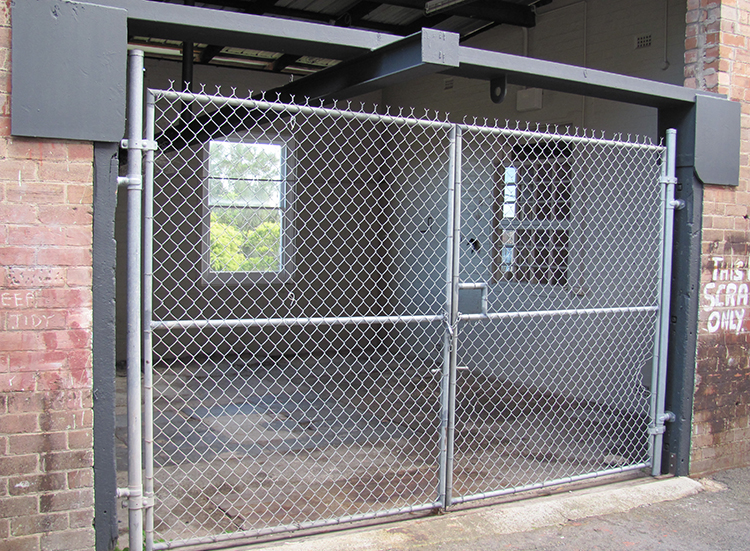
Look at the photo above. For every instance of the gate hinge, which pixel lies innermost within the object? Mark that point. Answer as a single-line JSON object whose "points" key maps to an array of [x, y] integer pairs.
{"points": [[659, 428], [143, 145]]}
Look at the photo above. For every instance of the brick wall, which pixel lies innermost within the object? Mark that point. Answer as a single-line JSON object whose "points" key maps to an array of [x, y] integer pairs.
{"points": [[46, 455], [717, 59]]}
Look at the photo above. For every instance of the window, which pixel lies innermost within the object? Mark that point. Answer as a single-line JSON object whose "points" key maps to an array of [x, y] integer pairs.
{"points": [[248, 226], [531, 214]]}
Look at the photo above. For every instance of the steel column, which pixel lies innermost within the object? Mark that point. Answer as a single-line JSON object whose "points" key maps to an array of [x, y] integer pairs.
{"points": [[659, 375]]}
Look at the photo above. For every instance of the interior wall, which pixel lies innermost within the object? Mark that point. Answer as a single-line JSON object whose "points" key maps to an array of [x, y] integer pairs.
{"points": [[595, 33], [599, 34]]}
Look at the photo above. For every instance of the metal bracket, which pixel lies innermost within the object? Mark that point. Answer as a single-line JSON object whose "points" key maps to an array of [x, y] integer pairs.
{"points": [[143, 145], [666, 417]]}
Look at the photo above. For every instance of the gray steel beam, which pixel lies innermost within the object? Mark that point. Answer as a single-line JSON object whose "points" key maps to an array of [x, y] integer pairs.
{"points": [[486, 65], [206, 26], [426, 52]]}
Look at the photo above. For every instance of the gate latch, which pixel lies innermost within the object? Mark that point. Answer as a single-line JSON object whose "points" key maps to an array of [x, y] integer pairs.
{"points": [[483, 286]]}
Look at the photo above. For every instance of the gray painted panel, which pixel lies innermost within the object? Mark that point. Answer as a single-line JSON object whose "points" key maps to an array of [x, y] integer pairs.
{"points": [[717, 140], [68, 70]]}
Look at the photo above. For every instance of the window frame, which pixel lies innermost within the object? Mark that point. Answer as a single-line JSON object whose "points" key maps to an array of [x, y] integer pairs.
{"points": [[525, 179], [286, 207]]}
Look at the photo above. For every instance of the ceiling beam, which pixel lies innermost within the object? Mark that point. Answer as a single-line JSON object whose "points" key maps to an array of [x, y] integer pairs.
{"points": [[210, 52], [427, 52], [526, 71], [488, 10], [281, 63], [240, 30]]}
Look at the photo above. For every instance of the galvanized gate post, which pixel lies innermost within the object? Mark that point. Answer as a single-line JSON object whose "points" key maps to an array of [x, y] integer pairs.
{"points": [[134, 182], [450, 339], [148, 375], [659, 372]]}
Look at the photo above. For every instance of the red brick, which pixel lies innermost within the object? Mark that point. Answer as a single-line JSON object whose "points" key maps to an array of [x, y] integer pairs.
{"points": [[14, 506], [20, 256], [37, 276], [78, 151], [16, 382], [64, 298], [18, 171], [17, 299], [18, 464], [21, 320], [79, 319], [37, 443], [22, 340], [4, 529], [18, 423], [79, 277], [80, 439], [71, 256], [62, 236], [81, 519], [53, 380], [36, 149], [65, 172], [66, 214], [18, 214], [80, 194], [38, 524], [79, 363], [70, 540], [36, 483], [43, 401], [35, 193], [73, 339], [29, 543], [70, 500], [63, 461], [53, 421], [38, 361], [83, 478]]}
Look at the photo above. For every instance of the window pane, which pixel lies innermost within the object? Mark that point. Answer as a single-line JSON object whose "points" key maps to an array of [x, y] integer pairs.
{"points": [[245, 239], [245, 174]]}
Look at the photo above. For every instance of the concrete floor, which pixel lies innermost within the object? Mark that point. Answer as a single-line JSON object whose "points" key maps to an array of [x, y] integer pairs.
{"points": [[669, 514], [243, 446]]}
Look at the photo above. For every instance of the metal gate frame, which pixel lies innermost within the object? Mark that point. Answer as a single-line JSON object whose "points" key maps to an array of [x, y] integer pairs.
{"points": [[140, 491]]}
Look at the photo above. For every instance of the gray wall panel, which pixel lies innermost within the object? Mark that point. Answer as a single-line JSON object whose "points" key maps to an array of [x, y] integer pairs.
{"points": [[68, 73]]}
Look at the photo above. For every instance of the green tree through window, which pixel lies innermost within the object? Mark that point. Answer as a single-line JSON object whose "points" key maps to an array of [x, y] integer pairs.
{"points": [[245, 199]]}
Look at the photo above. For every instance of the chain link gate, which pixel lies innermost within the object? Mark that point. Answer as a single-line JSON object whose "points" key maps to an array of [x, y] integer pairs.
{"points": [[349, 315]]}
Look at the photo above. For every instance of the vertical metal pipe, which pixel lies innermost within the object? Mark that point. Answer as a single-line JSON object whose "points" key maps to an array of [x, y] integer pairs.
{"points": [[455, 280], [661, 383], [655, 363], [187, 66], [135, 190], [148, 374], [443, 480]]}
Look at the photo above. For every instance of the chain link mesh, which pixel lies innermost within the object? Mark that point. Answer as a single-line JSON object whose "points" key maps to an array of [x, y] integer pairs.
{"points": [[567, 231], [299, 291]]}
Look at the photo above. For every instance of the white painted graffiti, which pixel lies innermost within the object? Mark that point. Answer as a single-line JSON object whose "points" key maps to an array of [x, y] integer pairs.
{"points": [[727, 296]]}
